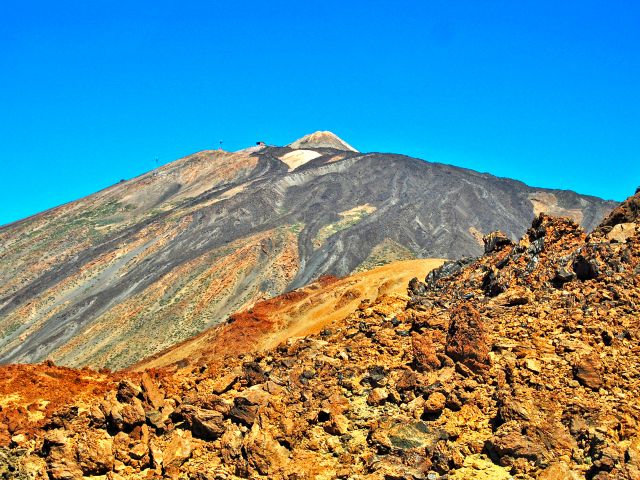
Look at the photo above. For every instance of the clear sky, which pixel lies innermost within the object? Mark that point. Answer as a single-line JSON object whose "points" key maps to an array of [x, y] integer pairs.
{"points": [[91, 92]]}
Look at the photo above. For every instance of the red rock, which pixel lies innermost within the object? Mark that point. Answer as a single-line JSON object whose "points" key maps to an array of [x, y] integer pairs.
{"points": [[466, 339]]}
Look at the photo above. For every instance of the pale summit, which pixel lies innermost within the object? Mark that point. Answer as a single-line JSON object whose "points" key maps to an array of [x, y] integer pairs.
{"points": [[321, 139]]}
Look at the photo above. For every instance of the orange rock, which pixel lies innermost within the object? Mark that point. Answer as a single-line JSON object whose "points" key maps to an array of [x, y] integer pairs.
{"points": [[587, 370], [177, 451], [435, 403], [378, 396], [424, 353], [151, 392]]}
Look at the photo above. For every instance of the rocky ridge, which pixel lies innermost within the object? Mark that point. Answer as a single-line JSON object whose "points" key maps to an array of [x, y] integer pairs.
{"points": [[523, 363]]}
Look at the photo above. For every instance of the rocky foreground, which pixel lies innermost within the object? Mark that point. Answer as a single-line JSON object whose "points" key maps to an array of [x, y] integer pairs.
{"points": [[524, 363]]}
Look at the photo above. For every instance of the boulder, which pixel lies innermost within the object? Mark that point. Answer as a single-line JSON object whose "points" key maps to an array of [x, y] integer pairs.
{"points": [[127, 390], [424, 352], [585, 268], [203, 423], [133, 414], [446, 269], [243, 411], [562, 276], [223, 383], [466, 339], [435, 403], [153, 396], [416, 287], [377, 396], [622, 232], [231, 444], [60, 456], [403, 433], [511, 443], [587, 369], [177, 451], [521, 444], [95, 452], [495, 241], [254, 374], [558, 471], [516, 296], [337, 425], [264, 454], [492, 285]]}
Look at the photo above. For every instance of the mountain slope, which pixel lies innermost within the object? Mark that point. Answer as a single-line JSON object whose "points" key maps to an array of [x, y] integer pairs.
{"points": [[522, 363], [122, 274], [298, 313]]}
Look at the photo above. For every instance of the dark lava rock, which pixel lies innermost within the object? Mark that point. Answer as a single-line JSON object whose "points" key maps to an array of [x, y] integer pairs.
{"points": [[492, 285], [447, 269], [127, 390], [585, 269], [496, 241], [562, 276], [243, 411], [254, 373], [537, 246], [416, 287], [376, 376]]}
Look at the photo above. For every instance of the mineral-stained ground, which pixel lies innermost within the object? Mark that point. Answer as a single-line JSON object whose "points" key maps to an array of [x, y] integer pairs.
{"points": [[523, 363]]}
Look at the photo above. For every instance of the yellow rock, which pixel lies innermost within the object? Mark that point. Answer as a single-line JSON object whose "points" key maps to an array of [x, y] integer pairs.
{"points": [[622, 231], [479, 467]]}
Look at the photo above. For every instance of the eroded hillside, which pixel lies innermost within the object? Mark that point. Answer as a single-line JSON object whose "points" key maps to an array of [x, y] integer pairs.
{"points": [[295, 314], [131, 270], [522, 363]]}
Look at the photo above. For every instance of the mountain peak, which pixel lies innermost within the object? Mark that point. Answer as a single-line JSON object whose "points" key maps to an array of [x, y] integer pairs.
{"points": [[321, 139]]}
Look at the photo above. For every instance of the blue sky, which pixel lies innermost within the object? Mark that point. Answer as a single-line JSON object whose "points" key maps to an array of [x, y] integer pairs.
{"points": [[546, 92]]}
